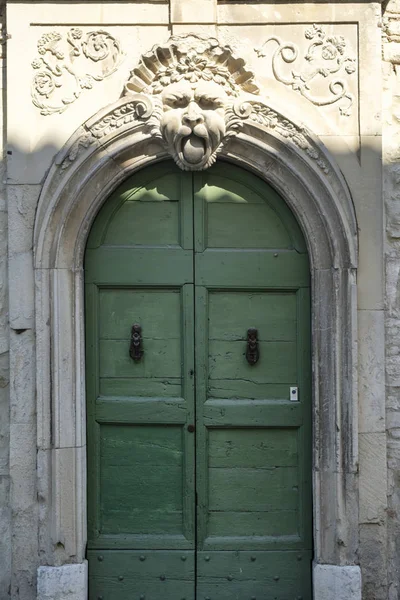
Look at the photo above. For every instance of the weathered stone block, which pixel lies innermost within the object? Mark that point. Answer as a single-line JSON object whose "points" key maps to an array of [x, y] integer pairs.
{"points": [[373, 559], [337, 583], [25, 556], [22, 373], [21, 291], [68, 582], [5, 538], [188, 11], [373, 478], [371, 387], [5, 414], [391, 52], [22, 202], [23, 465]]}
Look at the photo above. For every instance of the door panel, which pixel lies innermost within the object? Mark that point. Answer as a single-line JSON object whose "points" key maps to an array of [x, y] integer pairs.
{"points": [[122, 575], [162, 368], [250, 575], [225, 510], [141, 494], [142, 470], [253, 443]]}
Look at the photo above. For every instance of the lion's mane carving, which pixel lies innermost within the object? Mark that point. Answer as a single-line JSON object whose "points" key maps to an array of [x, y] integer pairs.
{"points": [[196, 80]]}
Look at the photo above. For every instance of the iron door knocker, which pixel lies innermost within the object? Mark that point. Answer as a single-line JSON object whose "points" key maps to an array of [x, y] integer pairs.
{"points": [[135, 349]]}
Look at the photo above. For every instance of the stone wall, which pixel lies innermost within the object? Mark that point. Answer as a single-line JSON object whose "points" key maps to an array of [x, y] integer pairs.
{"points": [[391, 181], [5, 509]]}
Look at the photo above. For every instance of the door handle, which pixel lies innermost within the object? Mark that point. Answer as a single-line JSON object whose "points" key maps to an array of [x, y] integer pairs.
{"points": [[136, 349], [252, 351]]}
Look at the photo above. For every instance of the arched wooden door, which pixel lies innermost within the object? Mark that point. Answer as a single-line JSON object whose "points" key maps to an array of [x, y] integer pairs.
{"points": [[199, 430]]}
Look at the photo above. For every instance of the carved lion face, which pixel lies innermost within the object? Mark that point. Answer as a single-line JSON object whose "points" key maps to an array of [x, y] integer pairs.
{"points": [[193, 123]]}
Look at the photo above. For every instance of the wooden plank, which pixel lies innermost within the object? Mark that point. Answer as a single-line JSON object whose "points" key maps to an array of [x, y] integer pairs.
{"points": [[252, 269], [117, 575], [231, 313], [141, 410], [186, 210], [120, 308], [151, 187], [245, 226], [189, 490], [152, 542], [225, 590], [163, 387], [121, 518], [277, 362], [201, 333], [141, 479], [233, 525], [250, 490], [266, 575], [219, 187], [149, 445], [134, 564], [148, 223], [252, 413], [256, 542], [113, 589], [256, 448], [161, 358], [242, 390], [112, 265], [252, 566]]}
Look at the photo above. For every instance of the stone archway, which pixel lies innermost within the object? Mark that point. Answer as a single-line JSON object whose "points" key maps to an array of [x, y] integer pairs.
{"points": [[101, 154]]}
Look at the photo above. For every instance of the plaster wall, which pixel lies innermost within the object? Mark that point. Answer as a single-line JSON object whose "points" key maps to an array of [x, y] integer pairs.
{"points": [[40, 120]]}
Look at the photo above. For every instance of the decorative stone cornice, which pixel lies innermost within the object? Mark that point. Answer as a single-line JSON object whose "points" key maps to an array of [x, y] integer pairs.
{"points": [[192, 95], [145, 112]]}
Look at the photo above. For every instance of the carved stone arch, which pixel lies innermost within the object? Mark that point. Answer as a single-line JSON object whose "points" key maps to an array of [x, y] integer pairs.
{"points": [[98, 157]]}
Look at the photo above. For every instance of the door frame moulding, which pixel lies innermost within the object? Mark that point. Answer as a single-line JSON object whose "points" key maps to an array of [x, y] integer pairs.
{"points": [[72, 194]]}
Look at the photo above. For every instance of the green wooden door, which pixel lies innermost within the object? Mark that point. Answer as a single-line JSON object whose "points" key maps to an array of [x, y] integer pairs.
{"points": [[199, 463]]}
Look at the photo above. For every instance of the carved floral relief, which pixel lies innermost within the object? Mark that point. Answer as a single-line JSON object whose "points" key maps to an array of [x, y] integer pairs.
{"points": [[327, 59], [67, 65]]}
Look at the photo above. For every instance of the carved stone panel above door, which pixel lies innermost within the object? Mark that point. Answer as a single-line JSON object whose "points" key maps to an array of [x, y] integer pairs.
{"points": [[319, 62]]}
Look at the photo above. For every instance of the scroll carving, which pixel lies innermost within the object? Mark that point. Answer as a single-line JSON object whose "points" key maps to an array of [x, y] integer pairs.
{"points": [[326, 57], [138, 109], [68, 65], [260, 112]]}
